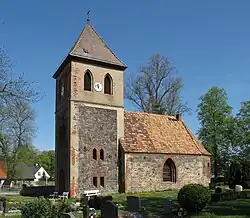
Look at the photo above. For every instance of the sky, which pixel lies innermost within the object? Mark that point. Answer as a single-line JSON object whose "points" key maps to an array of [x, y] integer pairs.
{"points": [[207, 41]]}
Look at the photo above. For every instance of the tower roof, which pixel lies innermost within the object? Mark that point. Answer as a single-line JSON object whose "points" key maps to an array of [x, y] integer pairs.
{"points": [[90, 46]]}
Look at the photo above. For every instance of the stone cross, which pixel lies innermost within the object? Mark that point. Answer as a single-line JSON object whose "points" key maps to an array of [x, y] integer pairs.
{"points": [[167, 206], [109, 210], [134, 203]]}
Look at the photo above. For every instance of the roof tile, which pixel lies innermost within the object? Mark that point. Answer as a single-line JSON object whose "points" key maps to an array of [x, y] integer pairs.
{"points": [[152, 133], [90, 45]]}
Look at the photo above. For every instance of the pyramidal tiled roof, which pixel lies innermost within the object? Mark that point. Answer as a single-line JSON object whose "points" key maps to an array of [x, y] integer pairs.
{"points": [[91, 46], [152, 133]]}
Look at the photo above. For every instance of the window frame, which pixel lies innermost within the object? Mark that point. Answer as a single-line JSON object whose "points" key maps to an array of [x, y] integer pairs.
{"points": [[110, 82], [88, 72], [102, 154], [169, 167], [94, 182], [102, 183], [94, 154]]}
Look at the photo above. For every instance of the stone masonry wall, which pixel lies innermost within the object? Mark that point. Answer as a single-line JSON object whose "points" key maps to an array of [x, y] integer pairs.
{"points": [[144, 172], [97, 128]]}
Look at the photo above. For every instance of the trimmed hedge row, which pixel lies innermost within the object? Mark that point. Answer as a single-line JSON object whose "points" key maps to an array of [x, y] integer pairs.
{"points": [[37, 191], [230, 195]]}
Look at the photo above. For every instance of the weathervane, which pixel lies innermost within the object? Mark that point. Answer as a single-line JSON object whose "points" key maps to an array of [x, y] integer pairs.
{"points": [[88, 19]]}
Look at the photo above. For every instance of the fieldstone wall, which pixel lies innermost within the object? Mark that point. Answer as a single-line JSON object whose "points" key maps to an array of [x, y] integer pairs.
{"points": [[144, 172], [97, 128]]}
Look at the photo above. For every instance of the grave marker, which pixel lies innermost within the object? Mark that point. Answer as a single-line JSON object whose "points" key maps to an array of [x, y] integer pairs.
{"points": [[109, 210]]}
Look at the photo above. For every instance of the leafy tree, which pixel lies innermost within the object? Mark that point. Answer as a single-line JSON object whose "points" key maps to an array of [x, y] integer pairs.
{"points": [[215, 118], [47, 160], [157, 88]]}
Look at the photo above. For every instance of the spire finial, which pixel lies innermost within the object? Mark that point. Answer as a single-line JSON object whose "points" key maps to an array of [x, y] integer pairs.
{"points": [[88, 19]]}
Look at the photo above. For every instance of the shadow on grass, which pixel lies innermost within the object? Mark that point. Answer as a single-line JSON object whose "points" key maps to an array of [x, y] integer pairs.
{"points": [[231, 208]]}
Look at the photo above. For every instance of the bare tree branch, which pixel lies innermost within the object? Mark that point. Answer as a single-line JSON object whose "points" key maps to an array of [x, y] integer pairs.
{"points": [[157, 88]]}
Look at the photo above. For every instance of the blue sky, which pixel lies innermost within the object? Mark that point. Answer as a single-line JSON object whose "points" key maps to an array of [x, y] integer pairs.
{"points": [[207, 41]]}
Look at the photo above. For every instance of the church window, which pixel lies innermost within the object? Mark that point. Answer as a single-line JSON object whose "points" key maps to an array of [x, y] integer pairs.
{"points": [[102, 154], [108, 84], [102, 181], [87, 80], [95, 181], [169, 171], [94, 154]]}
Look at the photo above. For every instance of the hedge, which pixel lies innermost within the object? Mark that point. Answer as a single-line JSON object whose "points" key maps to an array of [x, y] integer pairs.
{"points": [[231, 195]]}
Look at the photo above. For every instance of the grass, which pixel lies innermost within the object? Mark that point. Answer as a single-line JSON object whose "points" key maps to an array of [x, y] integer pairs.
{"points": [[153, 202]]}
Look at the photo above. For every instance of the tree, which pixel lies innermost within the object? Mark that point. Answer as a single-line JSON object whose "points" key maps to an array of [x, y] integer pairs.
{"points": [[16, 114], [214, 115], [47, 160], [157, 88]]}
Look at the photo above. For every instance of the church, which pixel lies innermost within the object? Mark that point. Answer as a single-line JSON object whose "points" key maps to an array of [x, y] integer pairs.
{"points": [[101, 146]]}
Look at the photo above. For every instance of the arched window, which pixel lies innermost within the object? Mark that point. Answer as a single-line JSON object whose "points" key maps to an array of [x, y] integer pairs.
{"points": [[169, 171], [87, 81], [94, 154], [108, 84], [102, 154]]}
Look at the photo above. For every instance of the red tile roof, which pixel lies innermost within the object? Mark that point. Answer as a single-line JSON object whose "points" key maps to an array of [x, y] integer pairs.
{"points": [[152, 133]]}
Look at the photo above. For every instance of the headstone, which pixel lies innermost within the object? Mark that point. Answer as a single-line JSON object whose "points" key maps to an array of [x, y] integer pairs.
{"points": [[5, 207], [134, 203], [1, 206], [238, 188], [85, 211], [109, 210], [67, 215], [167, 204]]}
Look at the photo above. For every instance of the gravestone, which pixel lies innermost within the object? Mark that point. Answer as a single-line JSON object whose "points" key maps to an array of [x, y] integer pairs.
{"points": [[5, 207], [85, 211], [167, 204], [67, 215], [238, 188], [1, 206], [109, 210], [134, 203]]}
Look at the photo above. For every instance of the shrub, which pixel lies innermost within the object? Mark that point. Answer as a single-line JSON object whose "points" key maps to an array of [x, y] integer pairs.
{"points": [[38, 208], [62, 207], [44, 208], [193, 197]]}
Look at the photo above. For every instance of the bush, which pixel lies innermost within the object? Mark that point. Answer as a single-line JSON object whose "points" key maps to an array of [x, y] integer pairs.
{"points": [[193, 197], [38, 208], [44, 208]]}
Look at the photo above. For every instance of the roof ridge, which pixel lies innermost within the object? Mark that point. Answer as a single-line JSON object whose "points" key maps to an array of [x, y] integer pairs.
{"points": [[151, 114], [77, 41], [106, 44]]}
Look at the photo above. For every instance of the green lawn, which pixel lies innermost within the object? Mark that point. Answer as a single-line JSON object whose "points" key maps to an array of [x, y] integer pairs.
{"points": [[153, 203]]}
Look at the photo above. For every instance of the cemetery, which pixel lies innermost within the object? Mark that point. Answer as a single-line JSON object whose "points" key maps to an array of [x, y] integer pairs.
{"points": [[221, 202]]}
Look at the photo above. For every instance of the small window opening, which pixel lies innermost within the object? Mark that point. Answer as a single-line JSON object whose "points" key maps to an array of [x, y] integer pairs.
{"points": [[102, 181], [87, 81], [94, 154], [108, 84], [95, 181], [102, 154]]}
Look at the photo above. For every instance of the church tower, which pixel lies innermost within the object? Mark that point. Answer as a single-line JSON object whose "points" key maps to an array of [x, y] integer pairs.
{"points": [[89, 116]]}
